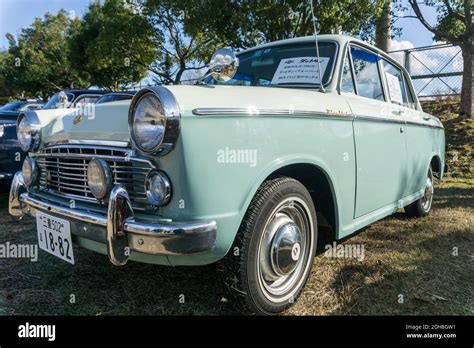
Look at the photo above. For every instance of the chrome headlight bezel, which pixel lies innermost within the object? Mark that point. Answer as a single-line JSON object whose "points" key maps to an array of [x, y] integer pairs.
{"points": [[31, 120], [169, 110]]}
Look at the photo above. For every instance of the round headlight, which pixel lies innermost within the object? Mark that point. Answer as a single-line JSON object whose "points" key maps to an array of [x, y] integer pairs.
{"points": [[157, 188], [154, 120], [29, 171], [29, 131], [99, 178], [149, 123]]}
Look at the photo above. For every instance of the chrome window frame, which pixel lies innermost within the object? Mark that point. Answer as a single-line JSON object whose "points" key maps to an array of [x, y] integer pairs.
{"points": [[82, 96], [381, 78]]}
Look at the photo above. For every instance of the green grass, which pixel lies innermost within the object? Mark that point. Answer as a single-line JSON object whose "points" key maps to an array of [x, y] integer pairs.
{"points": [[411, 257], [459, 136]]}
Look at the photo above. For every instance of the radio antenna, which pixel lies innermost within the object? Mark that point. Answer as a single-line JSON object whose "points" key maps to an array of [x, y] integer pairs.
{"points": [[313, 17]]}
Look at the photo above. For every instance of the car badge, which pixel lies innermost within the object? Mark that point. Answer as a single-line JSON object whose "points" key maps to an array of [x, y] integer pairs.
{"points": [[78, 119]]}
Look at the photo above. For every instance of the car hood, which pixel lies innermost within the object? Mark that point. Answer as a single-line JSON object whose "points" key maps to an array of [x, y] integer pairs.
{"points": [[7, 117], [109, 121]]}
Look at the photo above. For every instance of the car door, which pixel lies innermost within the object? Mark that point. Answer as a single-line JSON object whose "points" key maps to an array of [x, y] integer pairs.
{"points": [[417, 139], [378, 135]]}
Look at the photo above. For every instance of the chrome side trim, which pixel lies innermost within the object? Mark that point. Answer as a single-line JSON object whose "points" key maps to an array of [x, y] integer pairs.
{"points": [[110, 143], [391, 120], [380, 119], [300, 113], [265, 112], [425, 124]]}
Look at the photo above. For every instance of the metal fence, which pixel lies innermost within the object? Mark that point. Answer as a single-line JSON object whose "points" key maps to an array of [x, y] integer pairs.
{"points": [[436, 70]]}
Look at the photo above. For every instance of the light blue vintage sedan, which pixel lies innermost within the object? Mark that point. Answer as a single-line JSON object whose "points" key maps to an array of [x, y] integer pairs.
{"points": [[244, 167]]}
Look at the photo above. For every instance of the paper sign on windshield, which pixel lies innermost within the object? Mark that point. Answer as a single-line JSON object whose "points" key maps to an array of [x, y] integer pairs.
{"points": [[394, 88], [299, 70]]}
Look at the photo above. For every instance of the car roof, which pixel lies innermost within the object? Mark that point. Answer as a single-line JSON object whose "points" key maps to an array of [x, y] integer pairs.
{"points": [[121, 92], [78, 92]]}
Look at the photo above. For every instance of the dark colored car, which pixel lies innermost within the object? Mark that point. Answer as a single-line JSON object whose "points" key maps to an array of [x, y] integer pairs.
{"points": [[11, 155], [21, 105], [115, 96]]}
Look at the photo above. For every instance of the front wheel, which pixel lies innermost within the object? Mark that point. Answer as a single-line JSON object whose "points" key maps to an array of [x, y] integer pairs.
{"points": [[273, 252], [422, 206]]}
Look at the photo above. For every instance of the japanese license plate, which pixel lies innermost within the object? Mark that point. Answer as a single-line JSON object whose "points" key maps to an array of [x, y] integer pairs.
{"points": [[54, 236]]}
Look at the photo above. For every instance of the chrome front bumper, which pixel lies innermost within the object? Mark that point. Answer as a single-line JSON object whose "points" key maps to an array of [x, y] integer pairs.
{"points": [[123, 231]]}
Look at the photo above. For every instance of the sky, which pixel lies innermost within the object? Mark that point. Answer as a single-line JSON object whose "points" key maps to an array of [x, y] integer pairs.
{"points": [[17, 14]]}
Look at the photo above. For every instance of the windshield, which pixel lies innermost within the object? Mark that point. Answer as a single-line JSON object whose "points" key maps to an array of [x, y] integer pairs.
{"points": [[54, 101], [113, 97], [13, 106], [291, 65]]}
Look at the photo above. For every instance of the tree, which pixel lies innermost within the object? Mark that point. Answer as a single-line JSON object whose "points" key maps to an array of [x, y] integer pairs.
{"points": [[36, 64], [195, 28], [178, 50], [383, 25], [112, 46], [248, 23], [454, 26]]}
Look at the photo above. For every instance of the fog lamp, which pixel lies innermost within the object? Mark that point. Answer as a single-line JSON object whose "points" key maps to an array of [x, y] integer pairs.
{"points": [[157, 188], [99, 178], [29, 171]]}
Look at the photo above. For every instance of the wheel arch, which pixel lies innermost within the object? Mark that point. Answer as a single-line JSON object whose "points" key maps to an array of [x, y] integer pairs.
{"points": [[316, 177], [436, 165]]}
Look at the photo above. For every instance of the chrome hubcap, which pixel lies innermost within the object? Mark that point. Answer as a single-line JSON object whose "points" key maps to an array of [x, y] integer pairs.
{"points": [[429, 191], [284, 249]]}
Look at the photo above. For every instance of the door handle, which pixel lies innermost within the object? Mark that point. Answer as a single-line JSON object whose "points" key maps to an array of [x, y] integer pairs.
{"points": [[397, 112], [402, 129], [426, 118]]}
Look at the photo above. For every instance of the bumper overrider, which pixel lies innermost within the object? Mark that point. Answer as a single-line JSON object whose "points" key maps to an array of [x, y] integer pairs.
{"points": [[123, 231]]}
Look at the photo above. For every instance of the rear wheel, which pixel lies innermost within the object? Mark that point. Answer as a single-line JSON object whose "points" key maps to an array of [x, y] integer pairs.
{"points": [[422, 206], [273, 253]]}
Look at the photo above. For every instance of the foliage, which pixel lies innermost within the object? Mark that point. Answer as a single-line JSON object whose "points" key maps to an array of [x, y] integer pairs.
{"points": [[37, 63], [459, 135], [193, 29], [112, 46]]}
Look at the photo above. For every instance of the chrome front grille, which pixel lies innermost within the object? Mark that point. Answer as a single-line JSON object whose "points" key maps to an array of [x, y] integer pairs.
{"points": [[63, 170]]}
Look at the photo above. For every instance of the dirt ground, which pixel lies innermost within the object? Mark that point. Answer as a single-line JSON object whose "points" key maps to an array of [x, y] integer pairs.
{"points": [[410, 266]]}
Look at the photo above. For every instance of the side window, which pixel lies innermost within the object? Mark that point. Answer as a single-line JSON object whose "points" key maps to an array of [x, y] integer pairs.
{"points": [[33, 107], [86, 100], [367, 74], [347, 82], [396, 85]]}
